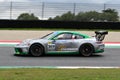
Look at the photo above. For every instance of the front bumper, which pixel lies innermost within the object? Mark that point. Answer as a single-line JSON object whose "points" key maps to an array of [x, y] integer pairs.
{"points": [[21, 50]]}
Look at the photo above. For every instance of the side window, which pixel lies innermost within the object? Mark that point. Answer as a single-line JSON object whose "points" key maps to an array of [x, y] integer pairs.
{"points": [[64, 36], [75, 36]]}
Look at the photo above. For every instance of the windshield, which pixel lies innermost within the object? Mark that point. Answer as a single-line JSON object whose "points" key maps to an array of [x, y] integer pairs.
{"points": [[48, 36]]}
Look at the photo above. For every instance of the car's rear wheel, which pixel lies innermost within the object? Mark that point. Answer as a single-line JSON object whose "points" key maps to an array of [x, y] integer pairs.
{"points": [[36, 50], [86, 50]]}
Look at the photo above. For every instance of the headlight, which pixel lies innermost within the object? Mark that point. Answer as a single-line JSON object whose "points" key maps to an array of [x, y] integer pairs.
{"points": [[25, 43]]}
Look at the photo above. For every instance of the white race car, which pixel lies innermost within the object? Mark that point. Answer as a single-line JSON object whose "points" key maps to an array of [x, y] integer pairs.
{"points": [[63, 42]]}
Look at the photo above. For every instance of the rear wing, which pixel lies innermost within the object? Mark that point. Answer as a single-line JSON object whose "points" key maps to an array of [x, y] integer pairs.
{"points": [[100, 35]]}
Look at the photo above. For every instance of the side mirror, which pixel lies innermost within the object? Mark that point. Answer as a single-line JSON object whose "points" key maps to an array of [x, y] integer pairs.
{"points": [[55, 38]]}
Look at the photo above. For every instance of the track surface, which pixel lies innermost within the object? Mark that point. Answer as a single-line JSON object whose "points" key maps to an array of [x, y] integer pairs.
{"points": [[110, 57]]}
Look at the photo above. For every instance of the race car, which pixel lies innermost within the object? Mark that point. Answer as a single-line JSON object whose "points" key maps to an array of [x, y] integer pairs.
{"points": [[63, 42]]}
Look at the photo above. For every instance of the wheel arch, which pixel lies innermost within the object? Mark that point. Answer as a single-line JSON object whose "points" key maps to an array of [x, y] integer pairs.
{"points": [[87, 44], [38, 44]]}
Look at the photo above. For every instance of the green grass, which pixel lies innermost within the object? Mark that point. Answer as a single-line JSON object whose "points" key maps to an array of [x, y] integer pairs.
{"points": [[43, 29], [36, 29], [55, 29], [59, 74]]}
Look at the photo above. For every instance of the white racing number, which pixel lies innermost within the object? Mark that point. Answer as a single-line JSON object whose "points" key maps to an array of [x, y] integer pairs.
{"points": [[51, 46]]}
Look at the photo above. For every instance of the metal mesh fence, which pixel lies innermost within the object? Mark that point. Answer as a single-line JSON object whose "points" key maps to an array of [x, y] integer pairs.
{"points": [[11, 10]]}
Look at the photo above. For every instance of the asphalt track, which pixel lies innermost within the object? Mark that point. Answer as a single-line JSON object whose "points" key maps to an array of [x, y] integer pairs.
{"points": [[111, 57]]}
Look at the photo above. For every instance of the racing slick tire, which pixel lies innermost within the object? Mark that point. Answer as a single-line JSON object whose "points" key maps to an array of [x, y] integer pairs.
{"points": [[86, 50], [36, 50]]}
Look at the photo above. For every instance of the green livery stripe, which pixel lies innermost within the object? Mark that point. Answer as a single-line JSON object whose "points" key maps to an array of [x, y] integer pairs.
{"points": [[65, 52]]}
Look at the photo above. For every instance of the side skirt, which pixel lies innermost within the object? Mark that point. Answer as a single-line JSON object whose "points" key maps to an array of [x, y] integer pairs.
{"points": [[61, 52]]}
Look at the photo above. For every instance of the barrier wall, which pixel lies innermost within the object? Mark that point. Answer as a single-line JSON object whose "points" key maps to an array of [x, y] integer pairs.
{"points": [[58, 24]]}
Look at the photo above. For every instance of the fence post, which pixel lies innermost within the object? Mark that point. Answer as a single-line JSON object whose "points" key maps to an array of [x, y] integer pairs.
{"points": [[74, 8], [11, 10], [104, 6], [43, 5]]}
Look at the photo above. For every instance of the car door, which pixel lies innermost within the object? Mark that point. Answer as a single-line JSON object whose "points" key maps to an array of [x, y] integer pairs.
{"points": [[64, 42]]}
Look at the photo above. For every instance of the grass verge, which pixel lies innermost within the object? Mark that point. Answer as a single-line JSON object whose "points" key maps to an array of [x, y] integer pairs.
{"points": [[59, 74], [56, 29]]}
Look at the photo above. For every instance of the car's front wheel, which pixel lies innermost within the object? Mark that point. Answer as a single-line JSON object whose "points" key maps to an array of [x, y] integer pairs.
{"points": [[36, 50], [86, 50]]}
